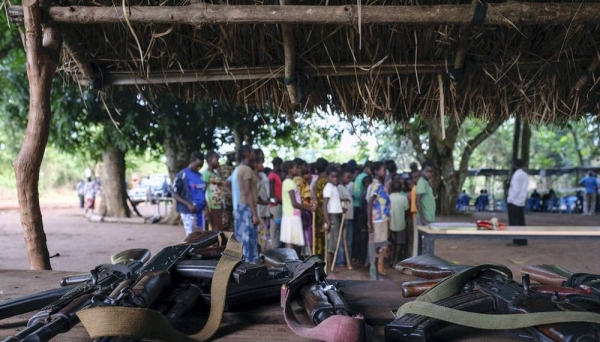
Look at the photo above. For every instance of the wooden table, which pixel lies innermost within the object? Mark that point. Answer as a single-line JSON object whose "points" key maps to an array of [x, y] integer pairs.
{"points": [[427, 235]]}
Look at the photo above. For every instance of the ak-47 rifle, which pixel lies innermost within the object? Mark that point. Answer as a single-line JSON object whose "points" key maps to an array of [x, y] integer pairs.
{"points": [[491, 290], [104, 283], [436, 269]]}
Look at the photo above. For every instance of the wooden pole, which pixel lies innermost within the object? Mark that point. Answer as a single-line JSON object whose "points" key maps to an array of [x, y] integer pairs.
{"points": [[503, 14], [337, 246], [289, 51], [42, 48], [277, 71], [314, 232]]}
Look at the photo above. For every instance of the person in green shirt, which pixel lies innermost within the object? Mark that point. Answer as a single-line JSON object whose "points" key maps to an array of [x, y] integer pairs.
{"points": [[399, 210], [214, 191], [425, 198]]}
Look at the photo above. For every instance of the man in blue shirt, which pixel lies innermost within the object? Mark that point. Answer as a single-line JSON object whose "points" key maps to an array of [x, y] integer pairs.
{"points": [[189, 192], [591, 190]]}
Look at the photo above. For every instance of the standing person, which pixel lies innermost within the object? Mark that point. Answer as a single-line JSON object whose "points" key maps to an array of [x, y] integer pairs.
{"points": [[425, 199], [275, 205], [332, 211], [80, 192], [364, 204], [360, 234], [262, 207], [392, 170], [517, 196], [189, 193], [399, 210], [226, 171], [378, 220], [214, 191], [292, 232], [89, 191], [591, 191], [246, 214], [321, 166], [303, 183], [414, 178], [346, 188]]}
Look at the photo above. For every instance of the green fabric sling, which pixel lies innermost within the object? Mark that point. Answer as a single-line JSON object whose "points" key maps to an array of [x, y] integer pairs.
{"points": [[149, 324], [424, 306]]}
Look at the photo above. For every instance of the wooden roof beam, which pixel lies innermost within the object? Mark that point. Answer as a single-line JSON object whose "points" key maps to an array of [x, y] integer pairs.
{"points": [[277, 72], [503, 14]]}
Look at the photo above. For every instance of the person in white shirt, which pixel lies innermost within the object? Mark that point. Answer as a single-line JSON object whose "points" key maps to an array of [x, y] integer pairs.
{"points": [[332, 211], [517, 196]]}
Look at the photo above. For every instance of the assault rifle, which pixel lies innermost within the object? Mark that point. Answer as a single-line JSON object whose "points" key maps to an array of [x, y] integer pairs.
{"points": [[435, 270], [491, 290]]}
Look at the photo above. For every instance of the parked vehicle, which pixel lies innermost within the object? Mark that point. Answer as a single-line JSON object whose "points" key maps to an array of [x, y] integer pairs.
{"points": [[151, 188]]}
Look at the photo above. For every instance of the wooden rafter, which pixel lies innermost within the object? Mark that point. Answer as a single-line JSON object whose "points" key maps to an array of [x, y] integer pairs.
{"points": [[504, 14], [277, 72]]}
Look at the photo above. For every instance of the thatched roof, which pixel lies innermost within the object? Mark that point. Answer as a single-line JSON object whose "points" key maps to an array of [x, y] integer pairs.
{"points": [[385, 71]]}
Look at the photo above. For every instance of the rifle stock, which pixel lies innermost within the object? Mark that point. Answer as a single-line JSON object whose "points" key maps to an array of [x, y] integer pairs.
{"points": [[553, 275], [429, 267], [417, 287]]}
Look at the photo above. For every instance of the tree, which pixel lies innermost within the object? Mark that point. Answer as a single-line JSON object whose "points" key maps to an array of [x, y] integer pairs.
{"points": [[463, 136]]}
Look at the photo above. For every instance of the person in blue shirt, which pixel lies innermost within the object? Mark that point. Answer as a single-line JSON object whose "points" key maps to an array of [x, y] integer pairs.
{"points": [[591, 190], [189, 191]]}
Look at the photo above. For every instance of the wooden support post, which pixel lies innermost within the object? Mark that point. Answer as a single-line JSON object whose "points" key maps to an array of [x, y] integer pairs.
{"points": [[289, 51], [42, 48]]}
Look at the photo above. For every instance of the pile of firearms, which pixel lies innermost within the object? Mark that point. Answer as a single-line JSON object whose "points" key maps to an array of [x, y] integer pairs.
{"points": [[492, 291], [176, 283]]}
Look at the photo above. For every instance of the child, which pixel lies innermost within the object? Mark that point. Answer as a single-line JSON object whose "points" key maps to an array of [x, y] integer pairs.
{"points": [[363, 234], [344, 188], [332, 209], [399, 209], [378, 212], [291, 223], [303, 183]]}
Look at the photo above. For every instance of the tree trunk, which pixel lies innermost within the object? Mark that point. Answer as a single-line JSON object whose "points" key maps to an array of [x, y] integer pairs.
{"points": [[42, 58], [177, 151], [577, 148], [449, 181], [114, 192], [525, 143], [516, 138]]}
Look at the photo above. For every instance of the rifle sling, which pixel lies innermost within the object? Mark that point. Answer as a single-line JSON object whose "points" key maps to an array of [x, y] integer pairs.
{"points": [[424, 305], [149, 324]]}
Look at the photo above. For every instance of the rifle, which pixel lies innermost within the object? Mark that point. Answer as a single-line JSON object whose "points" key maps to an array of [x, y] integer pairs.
{"points": [[490, 291], [558, 276], [436, 269], [321, 301], [91, 289]]}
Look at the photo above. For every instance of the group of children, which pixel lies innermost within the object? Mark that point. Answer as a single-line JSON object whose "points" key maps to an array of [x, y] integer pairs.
{"points": [[345, 213]]}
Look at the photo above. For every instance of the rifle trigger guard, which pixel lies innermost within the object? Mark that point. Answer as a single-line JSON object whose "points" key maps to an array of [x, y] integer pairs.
{"points": [[94, 277]]}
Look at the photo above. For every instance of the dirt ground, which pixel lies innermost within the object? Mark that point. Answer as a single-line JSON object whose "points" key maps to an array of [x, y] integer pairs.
{"points": [[82, 245]]}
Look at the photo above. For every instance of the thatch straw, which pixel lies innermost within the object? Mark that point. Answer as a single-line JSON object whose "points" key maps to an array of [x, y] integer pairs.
{"points": [[529, 70]]}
